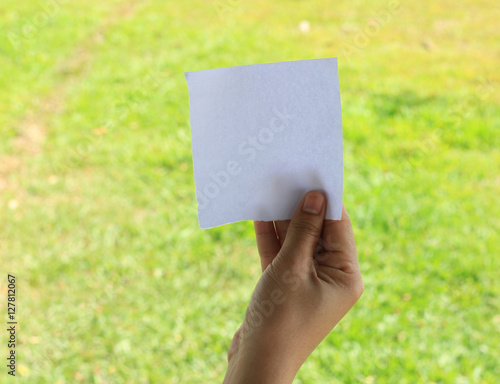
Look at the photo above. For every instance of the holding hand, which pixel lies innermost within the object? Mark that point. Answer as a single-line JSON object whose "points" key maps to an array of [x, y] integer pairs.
{"points": [[310, 280]]}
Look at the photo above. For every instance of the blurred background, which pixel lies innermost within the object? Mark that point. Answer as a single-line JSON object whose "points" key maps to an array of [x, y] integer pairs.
{"points": [[116, 282]]}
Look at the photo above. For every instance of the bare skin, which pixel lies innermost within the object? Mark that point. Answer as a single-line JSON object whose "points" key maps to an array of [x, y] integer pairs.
{"points": [[310, 280]]}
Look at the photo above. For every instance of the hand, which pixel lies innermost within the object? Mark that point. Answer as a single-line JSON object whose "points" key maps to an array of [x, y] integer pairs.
{"points": [[310, 281]]}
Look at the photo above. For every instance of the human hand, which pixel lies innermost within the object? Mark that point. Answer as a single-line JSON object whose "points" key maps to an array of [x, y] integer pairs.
{"points": [[310, 280]]}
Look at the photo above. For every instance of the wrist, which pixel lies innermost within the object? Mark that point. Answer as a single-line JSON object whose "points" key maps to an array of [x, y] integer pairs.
{"points": [[261, 362], [254, 368]]}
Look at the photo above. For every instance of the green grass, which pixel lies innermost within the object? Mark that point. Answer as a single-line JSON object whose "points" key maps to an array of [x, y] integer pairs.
{"points": [[117, 283]]}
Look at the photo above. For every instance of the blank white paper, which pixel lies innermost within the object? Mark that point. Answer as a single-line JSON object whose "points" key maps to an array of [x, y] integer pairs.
{"points": [[262, 136]]}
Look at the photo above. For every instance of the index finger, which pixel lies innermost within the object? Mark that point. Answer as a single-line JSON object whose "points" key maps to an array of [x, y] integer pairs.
{"points": [[338, 240], [267, 242]]}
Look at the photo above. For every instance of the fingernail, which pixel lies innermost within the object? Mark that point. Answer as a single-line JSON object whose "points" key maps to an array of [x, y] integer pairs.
{"points": [[313, 203]]}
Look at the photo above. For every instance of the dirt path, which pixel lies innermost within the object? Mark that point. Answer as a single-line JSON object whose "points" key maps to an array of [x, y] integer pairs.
{"points": [[33, 127]]}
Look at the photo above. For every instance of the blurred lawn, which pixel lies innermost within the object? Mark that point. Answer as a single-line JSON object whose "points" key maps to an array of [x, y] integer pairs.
{"points": [[117, 283]]}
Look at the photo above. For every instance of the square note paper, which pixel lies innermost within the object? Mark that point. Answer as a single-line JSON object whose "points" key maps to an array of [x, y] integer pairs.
{"points": [[263, 135]]}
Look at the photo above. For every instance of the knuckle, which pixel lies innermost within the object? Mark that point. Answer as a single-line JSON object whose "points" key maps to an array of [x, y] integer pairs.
{"points": [[356, 288], [305, 227], [352, 285], [359, 288], [267, 254]]}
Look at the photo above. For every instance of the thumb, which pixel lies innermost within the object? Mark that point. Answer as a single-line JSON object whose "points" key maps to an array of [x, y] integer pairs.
{"points": [[305, 228]]}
